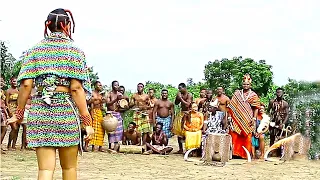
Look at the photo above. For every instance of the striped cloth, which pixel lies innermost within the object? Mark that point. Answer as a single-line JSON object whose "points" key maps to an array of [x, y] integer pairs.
{"points": [[55, 55], [241, 111], [99, 132], [117, 135]]}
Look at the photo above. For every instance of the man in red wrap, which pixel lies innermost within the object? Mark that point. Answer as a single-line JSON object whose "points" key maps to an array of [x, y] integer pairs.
{"points": [[243, 111]]}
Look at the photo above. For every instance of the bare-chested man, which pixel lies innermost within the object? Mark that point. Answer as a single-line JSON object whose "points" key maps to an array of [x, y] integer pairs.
{"points": [[113, 98], [164, 112], [140, 102], [159, 142], [201, 98], [12, 102], [131, 136], [204, 104], [184, 98], [96, 104], [279, 113], [152, 101], [223, 101]]}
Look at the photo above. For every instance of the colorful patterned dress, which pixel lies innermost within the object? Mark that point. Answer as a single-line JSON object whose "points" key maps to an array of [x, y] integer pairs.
{"points": [[53, 118]]}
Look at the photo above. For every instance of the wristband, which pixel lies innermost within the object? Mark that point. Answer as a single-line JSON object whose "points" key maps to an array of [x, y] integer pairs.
{"points": [[86, 119], [20, 113]]}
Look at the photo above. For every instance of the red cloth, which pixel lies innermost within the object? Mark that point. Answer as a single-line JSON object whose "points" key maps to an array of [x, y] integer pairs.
{"points": [[239, 140]]}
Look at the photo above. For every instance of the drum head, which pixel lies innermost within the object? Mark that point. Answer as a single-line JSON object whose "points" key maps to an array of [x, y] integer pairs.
{"points": [[123, 103]]}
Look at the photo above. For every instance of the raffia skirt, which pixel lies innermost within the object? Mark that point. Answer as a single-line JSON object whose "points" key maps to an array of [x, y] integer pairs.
{"points": [[54, 125]]}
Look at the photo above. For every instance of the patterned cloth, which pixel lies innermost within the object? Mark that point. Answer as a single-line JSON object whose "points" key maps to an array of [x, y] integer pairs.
{"points": [[214, 123], [99, 132], [13, 104], [240, 109], [117, 135], [166, 125], [53, 125], [55, 55], [142, 121]]}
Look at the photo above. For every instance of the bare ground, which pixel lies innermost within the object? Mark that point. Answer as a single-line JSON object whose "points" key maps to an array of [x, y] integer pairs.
{"points": [[97, 165]]}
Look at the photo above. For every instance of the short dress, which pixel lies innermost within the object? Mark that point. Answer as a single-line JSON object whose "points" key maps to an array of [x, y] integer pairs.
{"points": [[53, 119]]}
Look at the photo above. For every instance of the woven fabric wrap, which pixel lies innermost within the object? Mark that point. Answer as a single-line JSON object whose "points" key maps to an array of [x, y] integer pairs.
{"points": [[55, 55], [117, 135], [220, 143], [53, 125]]}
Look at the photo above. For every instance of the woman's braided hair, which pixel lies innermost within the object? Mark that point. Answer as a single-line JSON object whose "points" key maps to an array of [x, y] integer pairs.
{"points": [[58, 20]]}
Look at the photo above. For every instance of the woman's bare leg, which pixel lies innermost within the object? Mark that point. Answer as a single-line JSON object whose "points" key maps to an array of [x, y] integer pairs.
{"points": [[24, 136], [15, 136], [46, 157], [261, 145], [69, 161], [14, 129], [3, 134]]}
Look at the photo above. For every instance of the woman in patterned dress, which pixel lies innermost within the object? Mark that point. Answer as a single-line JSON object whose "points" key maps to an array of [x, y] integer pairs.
{"points": [[58, 68]]}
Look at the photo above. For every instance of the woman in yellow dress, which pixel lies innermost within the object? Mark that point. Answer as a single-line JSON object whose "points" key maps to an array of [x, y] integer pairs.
{"points": [[193, 128]]}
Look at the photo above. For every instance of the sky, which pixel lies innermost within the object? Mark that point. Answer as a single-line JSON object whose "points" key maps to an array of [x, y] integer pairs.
{"points": [[169, 41]]}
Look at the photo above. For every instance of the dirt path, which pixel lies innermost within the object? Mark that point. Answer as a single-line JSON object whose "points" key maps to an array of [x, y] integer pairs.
{"points": [[95, 165]]}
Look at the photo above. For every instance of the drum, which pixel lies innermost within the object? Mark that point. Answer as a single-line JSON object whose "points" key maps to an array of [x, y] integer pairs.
{"points": [[133, 149], [123, 103], [110, 122], [217, 147]]}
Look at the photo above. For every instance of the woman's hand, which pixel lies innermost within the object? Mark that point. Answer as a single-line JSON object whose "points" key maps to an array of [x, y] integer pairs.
{"points": [[90, 132], [13, 120]]}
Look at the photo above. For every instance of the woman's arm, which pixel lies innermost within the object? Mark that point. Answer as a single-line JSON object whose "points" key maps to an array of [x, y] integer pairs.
{"points": [[79, 97], [24, 92]]}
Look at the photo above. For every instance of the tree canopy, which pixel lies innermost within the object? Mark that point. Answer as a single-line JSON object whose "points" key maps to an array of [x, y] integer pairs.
{"points": [[229, 73], [10, 66]]}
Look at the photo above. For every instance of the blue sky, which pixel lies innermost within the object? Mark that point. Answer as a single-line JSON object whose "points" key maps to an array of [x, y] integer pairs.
{"points": [[136, 41]]}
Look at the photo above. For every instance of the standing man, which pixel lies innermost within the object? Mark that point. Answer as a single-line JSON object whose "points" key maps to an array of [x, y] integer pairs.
{"points": [[140, 102], [204, 104], [112, 100], [152, 101], [4, 112], [243, 109], [96, 104], [223, 101], [184, 98], [163, 112], [12, 102], [202, 97], [279, 113]]}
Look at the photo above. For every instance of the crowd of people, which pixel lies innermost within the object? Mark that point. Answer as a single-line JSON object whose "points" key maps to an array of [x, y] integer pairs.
{"points": [[58, 110], [155, 121]]}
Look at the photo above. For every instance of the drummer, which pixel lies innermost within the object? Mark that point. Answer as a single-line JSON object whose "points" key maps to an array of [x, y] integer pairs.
{"points": [[140, 103], [112, 100], [125, 107]]}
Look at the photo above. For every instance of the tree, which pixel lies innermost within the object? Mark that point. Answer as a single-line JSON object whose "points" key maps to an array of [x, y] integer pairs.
{"points": [[10, 66], [229, 73], [304, 101], [93, 76]]}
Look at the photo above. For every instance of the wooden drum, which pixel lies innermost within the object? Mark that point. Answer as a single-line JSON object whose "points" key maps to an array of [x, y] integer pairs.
{"points": [[217, 147]]}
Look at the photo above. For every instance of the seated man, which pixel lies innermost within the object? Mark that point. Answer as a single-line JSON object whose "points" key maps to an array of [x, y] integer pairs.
{"points": [[131, 136], [159, 142]]}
